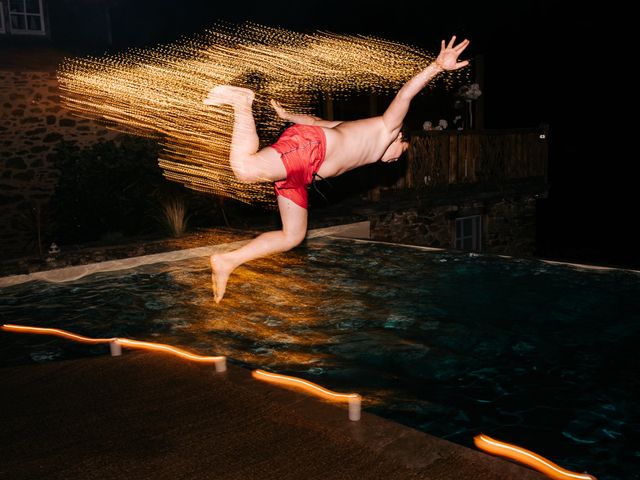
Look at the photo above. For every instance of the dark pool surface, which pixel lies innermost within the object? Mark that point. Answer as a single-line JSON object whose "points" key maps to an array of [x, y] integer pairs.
{"points": [[540, 355]]}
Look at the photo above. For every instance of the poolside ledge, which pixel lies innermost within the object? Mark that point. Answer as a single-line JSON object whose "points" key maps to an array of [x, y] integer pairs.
{"points": [[68, 274], [147, 415]]}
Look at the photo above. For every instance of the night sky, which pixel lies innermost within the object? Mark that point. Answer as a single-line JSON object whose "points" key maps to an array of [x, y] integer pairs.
{"points": [[544, 63]]}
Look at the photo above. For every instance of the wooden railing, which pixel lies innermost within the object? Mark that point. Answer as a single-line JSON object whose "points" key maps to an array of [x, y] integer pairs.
{"points": [[483, 156]]}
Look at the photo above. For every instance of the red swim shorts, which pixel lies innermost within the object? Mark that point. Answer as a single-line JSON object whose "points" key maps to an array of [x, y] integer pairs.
{"points": [[302, 149]]}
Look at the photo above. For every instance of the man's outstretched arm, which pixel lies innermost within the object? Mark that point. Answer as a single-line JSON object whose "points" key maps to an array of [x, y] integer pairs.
{"points": [[447, 60], [302, 118]]}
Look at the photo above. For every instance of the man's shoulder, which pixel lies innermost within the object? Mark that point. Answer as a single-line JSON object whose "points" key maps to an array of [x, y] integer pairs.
{"points": [[371, 123]]}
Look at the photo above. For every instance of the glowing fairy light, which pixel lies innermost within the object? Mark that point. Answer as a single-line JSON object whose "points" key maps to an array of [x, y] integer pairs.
{"points": [[353, 399], [158, 92], [219, 361], [55, 332], [528, 458], [166, 348]]}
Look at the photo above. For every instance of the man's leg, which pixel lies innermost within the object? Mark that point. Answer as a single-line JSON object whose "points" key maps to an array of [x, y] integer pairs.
{"points": [[294, 229], [248, 165]]}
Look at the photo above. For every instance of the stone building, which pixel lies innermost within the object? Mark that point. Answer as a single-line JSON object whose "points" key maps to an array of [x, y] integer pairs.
{"points": [[33, 121]]}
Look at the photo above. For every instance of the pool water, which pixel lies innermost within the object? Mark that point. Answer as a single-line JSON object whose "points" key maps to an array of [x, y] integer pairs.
{"points": [[544, 356]]}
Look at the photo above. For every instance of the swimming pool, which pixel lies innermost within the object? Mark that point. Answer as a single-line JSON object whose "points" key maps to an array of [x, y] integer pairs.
{"points": [[452, 344]]}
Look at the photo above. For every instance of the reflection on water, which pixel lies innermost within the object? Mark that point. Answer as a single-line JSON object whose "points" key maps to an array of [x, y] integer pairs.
{"points": [[540, 355]]}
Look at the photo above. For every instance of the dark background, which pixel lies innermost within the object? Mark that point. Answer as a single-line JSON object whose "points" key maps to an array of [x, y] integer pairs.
{"points": [[544, 63]]}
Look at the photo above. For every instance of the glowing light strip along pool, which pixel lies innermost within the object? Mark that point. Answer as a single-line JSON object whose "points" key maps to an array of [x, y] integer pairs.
{"points": [[353, 399], [220, 361], [528, 457]]}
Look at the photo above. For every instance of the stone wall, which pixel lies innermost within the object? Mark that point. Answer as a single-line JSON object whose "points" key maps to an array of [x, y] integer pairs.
{"points": [[509, 224], [32, 123]]}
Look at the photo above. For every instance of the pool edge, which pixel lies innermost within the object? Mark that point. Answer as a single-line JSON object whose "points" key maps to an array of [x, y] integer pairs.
{"points": [[415, 450], [357, 231], [68, 274]]}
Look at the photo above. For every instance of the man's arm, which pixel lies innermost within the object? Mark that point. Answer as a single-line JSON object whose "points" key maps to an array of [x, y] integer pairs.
{"points": [[447, 60], [301, 118]]}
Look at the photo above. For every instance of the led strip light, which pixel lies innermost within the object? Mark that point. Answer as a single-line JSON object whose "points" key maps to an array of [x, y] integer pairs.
{"points": [[353, 399], [115, 344], [527, 457]]}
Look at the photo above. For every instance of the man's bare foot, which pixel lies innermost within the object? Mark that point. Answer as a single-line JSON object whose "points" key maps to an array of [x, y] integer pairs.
{"points": [[229, 95], [220, 271]]}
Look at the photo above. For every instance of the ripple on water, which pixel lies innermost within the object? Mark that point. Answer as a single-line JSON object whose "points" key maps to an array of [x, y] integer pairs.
{"points": [[508, 419], [260, 350], [398, 322], [282, 338], [156, 304], [611, 433], [523, 347], [178, 323], [383, 292], [577, 439], [46, 355], [349, 325], [272, 321], [429, 325]]}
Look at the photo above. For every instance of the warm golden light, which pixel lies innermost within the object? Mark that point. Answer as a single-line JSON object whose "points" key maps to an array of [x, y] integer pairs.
{"points": [[218, 360], [305, 385], [353, 399], [158, 92], [527, 457], [125, 342], [56, 332]]}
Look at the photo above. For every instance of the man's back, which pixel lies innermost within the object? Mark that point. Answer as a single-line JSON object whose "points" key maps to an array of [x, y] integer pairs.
{"points": [[355, 143]]}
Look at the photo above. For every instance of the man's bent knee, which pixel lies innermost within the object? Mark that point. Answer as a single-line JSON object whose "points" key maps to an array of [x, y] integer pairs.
{"points": [[245, 170], [245, 177], [245, 174], [293, 239]]}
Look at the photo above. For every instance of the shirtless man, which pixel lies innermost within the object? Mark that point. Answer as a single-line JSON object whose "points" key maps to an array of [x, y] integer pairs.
{"points": [[310, 147]]}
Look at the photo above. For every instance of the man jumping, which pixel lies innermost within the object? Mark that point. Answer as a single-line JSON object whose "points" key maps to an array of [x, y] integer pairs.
{"points": [[310, 147]]}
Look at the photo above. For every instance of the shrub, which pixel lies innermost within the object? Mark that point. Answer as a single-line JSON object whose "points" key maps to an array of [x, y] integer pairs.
{"points": [[174, 215], [107, 188]]}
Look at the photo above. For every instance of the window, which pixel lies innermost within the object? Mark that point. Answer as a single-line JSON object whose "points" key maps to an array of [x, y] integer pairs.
{"points": [[2, 29], [25, 16], [469, 233]]}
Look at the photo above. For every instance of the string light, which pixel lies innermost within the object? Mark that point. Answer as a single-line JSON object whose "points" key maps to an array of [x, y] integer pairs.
{"points": [[527, 457], [55, 332], [158, 92], [353, 399], [219, 361], [305, 384]]}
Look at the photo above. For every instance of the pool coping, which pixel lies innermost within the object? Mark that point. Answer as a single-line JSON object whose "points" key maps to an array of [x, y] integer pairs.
{"points": [[417, 451], [358, 232], [583, 266], [69, 274]]}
